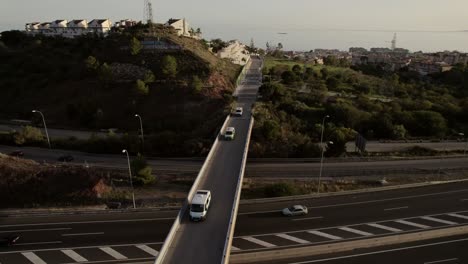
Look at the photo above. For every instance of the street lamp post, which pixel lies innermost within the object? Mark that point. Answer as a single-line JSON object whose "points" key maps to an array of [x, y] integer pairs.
{"points": [[466, 144], [131, 180], [45, 127], [321, 167], [141, 128], [323, 150]]}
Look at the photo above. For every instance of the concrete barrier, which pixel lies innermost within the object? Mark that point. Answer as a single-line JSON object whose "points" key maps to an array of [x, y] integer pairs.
{"points": [[235, 206], [175, 227], [367, 190], [308, 251]]}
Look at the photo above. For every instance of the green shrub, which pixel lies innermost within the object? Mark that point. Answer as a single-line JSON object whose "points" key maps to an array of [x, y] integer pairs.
{"points": [[280, 189]]}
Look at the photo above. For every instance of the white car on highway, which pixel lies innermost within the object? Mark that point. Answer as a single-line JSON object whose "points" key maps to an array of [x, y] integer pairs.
{"points": [[200, 204], [295, 210], [230, 133], [238, 112]]}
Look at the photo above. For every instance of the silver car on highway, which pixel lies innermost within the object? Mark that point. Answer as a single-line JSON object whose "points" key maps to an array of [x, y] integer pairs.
{"points": [[295, 210]]}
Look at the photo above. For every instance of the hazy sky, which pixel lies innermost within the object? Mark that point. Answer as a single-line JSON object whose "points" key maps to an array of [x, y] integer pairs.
{"points": [[321, 21], [282, 14]]}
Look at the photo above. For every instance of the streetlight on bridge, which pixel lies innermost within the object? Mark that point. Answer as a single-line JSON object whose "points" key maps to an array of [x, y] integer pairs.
{"points": [[45, 127]]}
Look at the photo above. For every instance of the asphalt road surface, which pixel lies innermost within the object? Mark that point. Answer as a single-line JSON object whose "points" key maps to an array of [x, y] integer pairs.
{"points": [[449, 250], [371, 146], [259, 168], [204, 242], [127, 233]]}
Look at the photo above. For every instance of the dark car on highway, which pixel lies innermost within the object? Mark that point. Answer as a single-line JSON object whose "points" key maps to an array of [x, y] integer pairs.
{"points": [[66, 158], [9, 240], [16, 153]]}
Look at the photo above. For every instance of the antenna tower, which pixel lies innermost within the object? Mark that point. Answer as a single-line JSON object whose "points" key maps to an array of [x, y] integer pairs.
{"points": [[394, 41], [148, 12]]}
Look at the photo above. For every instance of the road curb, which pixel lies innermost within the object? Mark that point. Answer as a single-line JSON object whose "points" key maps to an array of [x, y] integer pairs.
{"points": [[308, 251], [367, 190]]}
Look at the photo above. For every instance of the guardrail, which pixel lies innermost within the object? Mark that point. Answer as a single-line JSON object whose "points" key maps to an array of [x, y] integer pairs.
{"points": [[170, 237], [235, 206]]}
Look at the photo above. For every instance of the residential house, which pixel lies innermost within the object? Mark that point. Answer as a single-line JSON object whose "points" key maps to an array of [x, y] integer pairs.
{"points": [[236, 52], [77, 28], [100, 26], [33, 27], [183, 28], [59, 27]]}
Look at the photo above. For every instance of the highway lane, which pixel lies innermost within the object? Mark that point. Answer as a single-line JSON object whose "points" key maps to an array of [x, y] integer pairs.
{"points": [[204, 242], [448, 250], [259, 168], [254, 219], [371, 146]]}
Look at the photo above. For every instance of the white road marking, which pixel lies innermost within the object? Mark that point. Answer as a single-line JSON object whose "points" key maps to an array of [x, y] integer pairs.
{"points": [[259, 242], [396, 208], [367, 202], [233, 248], [464, 200], [441, 261], [92, 222], [33, 258], [459, 216], [73, 255], [433, 219], [325, 235], [113, 253], [84, 234], [391, 229], [405, 222], [307, 218], [37, 243], [381, 252], [294, 239], [148, 250], [35, 230], [355, 231], [86, 247]]}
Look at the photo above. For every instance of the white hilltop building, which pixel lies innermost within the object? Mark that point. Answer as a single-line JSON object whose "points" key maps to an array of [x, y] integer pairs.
{"points": [[183, 28], [236, 52], [70, 29]]}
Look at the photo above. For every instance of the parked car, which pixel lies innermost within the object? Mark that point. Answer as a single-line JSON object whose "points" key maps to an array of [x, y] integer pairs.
{"points": [[16, 153], [9, 240], [238, 111], [230, 133], [66, 158], [295, 210]]}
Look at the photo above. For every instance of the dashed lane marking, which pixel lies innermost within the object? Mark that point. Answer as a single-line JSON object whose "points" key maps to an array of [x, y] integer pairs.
{"points": [[259, 242], [73, 255], [405, 222], [355, 231], [113, 253], [325, 235], [33, 258], [291, 238], [148, 250]]}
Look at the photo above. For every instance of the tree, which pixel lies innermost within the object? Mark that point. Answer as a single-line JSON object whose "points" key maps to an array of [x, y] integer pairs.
{"points": [[169, 66], [105, 72], [271, 129], [333, 83], [324, 72], [280, 46], [29, 134], [141, 171], [297, 69], [197, 84], [288, 77], [135, 46], [141, 87], [149, 77], [92, 63]]}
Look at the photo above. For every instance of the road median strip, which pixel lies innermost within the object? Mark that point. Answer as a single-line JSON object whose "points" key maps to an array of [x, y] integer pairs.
{"points": [[307, 251]]}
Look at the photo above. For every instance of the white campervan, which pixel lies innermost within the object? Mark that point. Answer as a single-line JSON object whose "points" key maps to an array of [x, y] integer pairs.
{"points": [[200, 205]]}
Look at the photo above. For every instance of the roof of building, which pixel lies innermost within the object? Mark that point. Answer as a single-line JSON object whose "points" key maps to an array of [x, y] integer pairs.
{"points": [[173, 20]]}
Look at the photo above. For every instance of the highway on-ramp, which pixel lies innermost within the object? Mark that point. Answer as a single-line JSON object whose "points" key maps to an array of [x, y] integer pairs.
{"points": [[205, 242]]}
